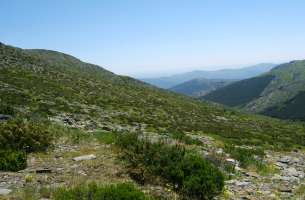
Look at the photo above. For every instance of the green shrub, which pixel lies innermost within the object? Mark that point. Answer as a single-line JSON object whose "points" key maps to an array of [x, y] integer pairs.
{"points": [[246, 156], [180, 136], [6, 110], [24, 136], [93, 191], [188, 172], [104, 137], [12, 160], [201, 179]]}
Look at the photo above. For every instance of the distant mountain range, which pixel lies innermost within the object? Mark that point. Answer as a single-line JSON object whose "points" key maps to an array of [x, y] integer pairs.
{"points": [[231, 74], [279, 93], [200, 86]]}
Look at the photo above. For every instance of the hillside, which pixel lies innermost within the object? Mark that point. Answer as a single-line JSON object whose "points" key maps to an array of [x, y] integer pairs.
{"points": [[48, 83], [199, 87], [278, 93], [65, 123], [231, 74]]}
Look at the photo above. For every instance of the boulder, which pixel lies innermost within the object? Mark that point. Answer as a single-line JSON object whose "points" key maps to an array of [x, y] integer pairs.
{"points": [[292, 172], [85, 157], [5, 117], [4, 191], [285, 159]]}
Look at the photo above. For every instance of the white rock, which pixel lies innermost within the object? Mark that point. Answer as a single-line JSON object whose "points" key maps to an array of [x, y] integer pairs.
{"points": [[285, 159], [219, 151], [85, 157], [231, 160], [292, 172], [4, 191], [242, 183]]}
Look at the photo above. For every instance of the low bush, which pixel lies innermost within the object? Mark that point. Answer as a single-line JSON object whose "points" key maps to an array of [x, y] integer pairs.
{"points": [[180, 136], [246, 156], [12, 160], [24, 136], [6, 110], [188, 172], [93, 191], [104, 137]]}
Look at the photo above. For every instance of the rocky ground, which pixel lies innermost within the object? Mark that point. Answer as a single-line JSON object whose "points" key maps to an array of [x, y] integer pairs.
{"points": [[286, 182], [70, 164]]}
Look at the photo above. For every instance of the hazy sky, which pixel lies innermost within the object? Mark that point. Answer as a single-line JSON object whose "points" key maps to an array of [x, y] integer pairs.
{"points": [[138, 37]]}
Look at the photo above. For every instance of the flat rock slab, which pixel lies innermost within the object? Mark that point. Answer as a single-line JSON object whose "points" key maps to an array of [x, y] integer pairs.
{"points": [[4, 191], [5, 117], [43, 170], [85, 157]]}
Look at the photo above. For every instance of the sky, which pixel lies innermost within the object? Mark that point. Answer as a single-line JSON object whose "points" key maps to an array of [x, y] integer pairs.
{"points": [[145, 38]]}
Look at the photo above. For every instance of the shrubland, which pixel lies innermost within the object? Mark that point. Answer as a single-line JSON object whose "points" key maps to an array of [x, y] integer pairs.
{"points": [[190, 175]]}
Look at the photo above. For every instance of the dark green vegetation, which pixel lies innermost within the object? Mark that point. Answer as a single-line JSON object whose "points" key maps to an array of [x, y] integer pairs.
{"points": [[185, 138], [19, 137], [189, 174], [292, 109], [40, 84], [246, 156], [24, 136], [12, 160], [199, 87], [279, 93], [231, 74], [241, 92], [92, 191]]}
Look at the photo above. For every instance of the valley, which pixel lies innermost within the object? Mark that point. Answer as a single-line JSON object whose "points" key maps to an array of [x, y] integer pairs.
{"points": [[58, 108]]}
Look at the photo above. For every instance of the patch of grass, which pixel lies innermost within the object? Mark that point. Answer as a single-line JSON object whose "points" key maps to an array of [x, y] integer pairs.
{"points": [[182, 137], [246, 156], [267, 169], [105, 137], [220, 162], [300, 191], [12, 160], [188, 172], [123, 191]]}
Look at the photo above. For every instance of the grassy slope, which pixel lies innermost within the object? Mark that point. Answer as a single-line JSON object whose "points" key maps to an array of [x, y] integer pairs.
{"points": [[268, 97], [240, 93], [199, 87], [292, 109], [41, 83]]}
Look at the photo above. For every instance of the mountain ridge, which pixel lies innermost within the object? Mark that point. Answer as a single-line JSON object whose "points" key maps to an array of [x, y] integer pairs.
{"points": [[287, 82], [200, 86], [238, 74]]}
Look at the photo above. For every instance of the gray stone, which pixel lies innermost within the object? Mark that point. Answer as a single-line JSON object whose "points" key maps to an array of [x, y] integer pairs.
{"points": [[292, 172], [85, 157], [285, 159], [43, 170], [285, 189], [4, 191], [242, 183], [252, 174], [281, 165], [5, 117], [231, 160]]}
